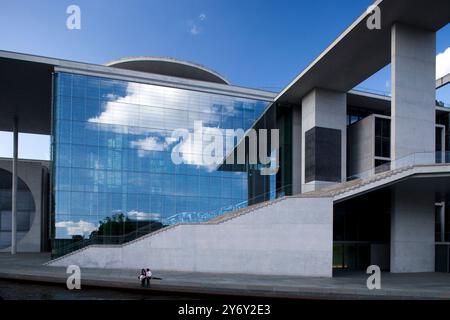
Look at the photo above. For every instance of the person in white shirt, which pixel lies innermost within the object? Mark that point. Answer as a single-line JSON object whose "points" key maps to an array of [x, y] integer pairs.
{"points": [[148, 276]]}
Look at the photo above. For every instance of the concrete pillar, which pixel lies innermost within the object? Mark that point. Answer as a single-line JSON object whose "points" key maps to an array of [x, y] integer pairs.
{"points": [[14, 188], [361, 153], [413, 122], [296, 150], [412, 229], [441, 207], [324, 139], [443, 143]]}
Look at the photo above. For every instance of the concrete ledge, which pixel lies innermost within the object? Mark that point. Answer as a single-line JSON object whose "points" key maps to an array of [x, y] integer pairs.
{"points": [[30, 268], [239, 290]]}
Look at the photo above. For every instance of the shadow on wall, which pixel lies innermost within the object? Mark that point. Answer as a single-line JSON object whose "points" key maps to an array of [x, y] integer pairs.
{"points": [[26, 209]]}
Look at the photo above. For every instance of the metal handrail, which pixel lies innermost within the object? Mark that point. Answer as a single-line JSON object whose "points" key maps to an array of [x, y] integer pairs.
{"points": [[133, 235], [421, 158], [418, 158], [104, 239]]}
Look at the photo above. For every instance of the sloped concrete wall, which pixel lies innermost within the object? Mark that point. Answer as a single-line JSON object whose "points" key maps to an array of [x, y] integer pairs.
{"points": [[290, 237]]}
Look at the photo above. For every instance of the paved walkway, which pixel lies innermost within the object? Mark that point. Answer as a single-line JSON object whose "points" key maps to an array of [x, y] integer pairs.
{"points": [[30, 267]]}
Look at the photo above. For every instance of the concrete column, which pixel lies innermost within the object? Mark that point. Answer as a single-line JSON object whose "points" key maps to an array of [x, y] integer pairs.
{"points": [[296, 150], [442, 219], [412, 229], [413, 57], [14, 187], [324, 139], [443, 142], [361, 154]]}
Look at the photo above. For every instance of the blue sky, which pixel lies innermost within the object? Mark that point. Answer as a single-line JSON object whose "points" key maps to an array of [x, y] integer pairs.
{"points": [[253, 43]]}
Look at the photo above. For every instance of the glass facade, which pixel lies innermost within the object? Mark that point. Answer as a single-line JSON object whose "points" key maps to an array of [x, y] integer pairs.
{"points": [[267, 187], [112, 155], [443, 120]]}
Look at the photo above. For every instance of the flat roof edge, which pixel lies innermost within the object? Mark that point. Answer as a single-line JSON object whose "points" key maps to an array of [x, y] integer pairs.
{"points": [[137, 76], [442, 82], [173, 82]]}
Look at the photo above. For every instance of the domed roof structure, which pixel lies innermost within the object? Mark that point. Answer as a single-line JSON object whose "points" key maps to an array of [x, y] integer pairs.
{"points": [[169, 67]]}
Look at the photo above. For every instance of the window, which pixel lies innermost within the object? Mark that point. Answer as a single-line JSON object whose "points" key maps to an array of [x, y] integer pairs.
{"points": [[382, 137]]}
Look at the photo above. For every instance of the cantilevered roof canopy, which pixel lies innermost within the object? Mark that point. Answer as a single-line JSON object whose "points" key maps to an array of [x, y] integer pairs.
{"points": [[359, 52], [25, 92], [26, 86], [374, 102]]}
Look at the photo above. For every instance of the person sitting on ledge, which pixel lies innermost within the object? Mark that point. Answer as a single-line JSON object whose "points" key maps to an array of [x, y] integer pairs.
{"points": [[142, 277]]}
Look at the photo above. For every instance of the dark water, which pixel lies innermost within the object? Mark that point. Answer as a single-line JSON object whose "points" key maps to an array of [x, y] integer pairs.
{"points": [[11, 290]]}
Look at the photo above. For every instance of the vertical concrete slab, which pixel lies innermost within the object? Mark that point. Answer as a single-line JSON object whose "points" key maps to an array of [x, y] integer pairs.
{"points": [[413, 91], [361, 139], [296, 150], [327, 109], [14, 187], [412, 229]]}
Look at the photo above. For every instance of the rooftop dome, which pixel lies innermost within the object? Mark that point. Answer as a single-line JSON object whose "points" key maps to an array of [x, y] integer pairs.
{"points": [[169, 67]]}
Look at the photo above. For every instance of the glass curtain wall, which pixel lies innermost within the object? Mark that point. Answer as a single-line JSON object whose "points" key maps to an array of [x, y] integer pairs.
{"points": [[112, 155], [267, 187]]}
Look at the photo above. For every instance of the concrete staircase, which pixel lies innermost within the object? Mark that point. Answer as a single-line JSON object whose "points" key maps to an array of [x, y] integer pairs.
{"points": [[286, 236], [357, 184], [235, 214], [352, 188]]}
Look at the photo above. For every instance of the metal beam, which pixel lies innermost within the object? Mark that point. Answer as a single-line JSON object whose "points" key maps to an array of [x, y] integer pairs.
{"points": [[441, 82]]}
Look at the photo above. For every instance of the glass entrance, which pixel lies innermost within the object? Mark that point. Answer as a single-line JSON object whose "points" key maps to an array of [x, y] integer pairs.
{"points": [[351, 255], [361, 235]]}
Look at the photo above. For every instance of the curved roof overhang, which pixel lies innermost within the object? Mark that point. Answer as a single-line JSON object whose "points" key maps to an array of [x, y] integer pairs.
{"points": [[169, 67]]}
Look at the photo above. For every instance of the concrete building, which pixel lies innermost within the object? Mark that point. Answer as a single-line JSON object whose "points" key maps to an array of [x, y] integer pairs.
{"points": [[363, 178]]}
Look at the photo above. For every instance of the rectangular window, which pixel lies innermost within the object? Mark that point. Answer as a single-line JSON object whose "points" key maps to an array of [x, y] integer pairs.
{"points": [[382, 137]]}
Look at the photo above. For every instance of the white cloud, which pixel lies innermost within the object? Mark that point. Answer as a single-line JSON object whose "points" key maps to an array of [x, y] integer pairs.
{"points": [[123, 111], [443, 63], [196, 25], [138, 215], [127, 110], [117, 111], [148, 144], [194, 30], [77, 228]]}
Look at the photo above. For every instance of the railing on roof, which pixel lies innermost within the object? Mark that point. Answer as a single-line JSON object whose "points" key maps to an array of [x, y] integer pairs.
{"points": [[419, 158], [180, 218]]}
